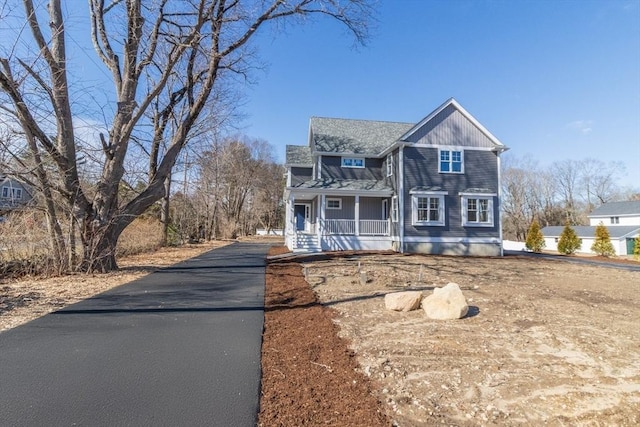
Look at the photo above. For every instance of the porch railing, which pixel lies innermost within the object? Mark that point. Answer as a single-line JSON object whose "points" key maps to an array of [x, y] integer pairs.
{"points": [[374, 227], [339, 226], [368, 227]]}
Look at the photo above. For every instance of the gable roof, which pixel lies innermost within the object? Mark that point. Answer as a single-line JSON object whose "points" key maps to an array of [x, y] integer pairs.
{"points": [[298, 155], [452, 103], [631, 207], [586, 231], [329, 135]]}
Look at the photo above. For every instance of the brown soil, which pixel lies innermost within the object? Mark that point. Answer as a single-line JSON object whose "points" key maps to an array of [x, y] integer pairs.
{"points": [[545, 342], [309, 376]]}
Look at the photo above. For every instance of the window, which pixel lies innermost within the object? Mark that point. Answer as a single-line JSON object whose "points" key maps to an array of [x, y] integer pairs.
{"points": [[349, 162], [477, 210], [13, 193], [451, 161], [428, 208], [389, 165], [385, 209], [334, 204], [394, 209], [615, 220]]}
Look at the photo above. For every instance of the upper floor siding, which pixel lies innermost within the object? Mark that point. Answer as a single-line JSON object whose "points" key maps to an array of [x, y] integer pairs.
{"points": [[331, 168], [450, 127], [300, 175]]}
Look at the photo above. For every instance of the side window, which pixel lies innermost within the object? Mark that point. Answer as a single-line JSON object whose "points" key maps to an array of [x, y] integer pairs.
{"points": [[389, 164], [394, 209], [477, 211], [427, 209]]}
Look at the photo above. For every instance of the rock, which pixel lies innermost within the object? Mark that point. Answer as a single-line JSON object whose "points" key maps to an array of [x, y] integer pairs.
{"points": [[446, 303], [403, 301]]}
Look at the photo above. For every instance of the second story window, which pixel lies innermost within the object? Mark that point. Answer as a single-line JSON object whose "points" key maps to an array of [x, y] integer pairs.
{"points": [[451, 161], [615, 220], [389, 165], [351, 162]]}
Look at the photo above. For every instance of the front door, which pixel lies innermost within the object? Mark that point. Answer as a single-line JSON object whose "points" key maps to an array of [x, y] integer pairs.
{"points": [[301, 214]]}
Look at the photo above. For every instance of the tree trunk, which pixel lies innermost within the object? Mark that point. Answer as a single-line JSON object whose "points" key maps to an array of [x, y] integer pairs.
{"points": [[99, 252], [165, 217]]}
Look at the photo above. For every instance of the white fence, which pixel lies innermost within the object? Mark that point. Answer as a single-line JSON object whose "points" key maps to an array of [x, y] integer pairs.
{"points": [[367, 227]]}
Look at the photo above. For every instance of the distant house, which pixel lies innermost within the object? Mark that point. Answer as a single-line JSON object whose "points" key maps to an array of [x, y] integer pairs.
{"points": [[426, 187], [621, 218], [14, 194]]}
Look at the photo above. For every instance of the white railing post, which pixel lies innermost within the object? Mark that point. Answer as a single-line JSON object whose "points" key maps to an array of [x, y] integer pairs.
{"points": [[357, 215]]}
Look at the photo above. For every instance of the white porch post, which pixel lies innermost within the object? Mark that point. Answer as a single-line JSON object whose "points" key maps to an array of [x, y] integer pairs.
{"points": [[320, 227], [357, 215]]}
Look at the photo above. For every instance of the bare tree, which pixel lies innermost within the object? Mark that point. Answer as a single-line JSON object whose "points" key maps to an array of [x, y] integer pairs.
{"points": [[144, 45]]}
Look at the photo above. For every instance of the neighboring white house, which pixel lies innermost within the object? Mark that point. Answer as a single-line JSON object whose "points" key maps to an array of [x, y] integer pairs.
{"points": [[622, 219]]}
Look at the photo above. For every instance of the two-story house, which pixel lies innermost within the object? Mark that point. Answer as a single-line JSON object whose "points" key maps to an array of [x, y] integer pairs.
{"points": [[426, 187], [622, 220], [14, 194]]}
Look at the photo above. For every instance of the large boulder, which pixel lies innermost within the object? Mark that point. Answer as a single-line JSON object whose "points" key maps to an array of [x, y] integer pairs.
{"points": [[446, 303], [403, 301]]}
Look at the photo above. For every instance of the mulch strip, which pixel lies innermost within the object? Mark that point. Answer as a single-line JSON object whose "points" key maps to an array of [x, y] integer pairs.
{"points": [[309, 376]]}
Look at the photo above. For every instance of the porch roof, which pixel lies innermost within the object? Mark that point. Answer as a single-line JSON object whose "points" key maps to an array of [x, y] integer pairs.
{"points": [[366, 187]]}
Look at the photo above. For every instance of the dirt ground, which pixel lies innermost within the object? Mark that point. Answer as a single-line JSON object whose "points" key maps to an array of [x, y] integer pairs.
{"points": [[544, 343]]}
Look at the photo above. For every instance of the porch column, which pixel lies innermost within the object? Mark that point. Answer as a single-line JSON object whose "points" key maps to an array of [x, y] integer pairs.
{"points": [[320, 227], [357, 215]]}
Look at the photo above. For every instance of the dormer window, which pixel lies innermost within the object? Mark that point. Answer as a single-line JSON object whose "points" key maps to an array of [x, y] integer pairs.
{"points": [[352, 162], [451, 161]]}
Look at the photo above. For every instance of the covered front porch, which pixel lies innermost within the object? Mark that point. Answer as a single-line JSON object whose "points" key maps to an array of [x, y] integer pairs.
{"points": [[338, 221]]}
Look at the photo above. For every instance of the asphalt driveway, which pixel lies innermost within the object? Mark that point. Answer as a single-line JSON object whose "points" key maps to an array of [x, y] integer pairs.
{"points": [[180, 346]]}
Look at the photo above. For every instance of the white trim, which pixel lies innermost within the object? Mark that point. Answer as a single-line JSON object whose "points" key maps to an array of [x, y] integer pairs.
{"points": [[462, 193], [441, 209], [429, 192], [452, 147], [401, 194], [418, 239], [389, 163], [319, 168], [339, 193], [333, 199], [608, 216], [450, 162], [500, 202], [464, 211], [395, 210]]}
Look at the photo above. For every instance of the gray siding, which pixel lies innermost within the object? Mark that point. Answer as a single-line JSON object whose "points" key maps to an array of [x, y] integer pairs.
{"points": [[421, 169], [450, 127], [332, 169], [371, 208], [300, 175], [347, 211]]}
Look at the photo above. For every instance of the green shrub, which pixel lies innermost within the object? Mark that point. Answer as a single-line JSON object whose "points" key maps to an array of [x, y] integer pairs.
{"points": [[602, 245], [569, 241], [636, 248], [535, 239]]}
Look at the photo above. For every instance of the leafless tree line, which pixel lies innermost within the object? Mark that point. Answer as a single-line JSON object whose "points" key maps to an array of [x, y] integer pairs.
{"points": [[167, 61], [236, 187], [565, 191]]}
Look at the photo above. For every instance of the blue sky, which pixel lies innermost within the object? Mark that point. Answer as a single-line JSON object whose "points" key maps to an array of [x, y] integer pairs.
{"points": [[550, 79]]}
